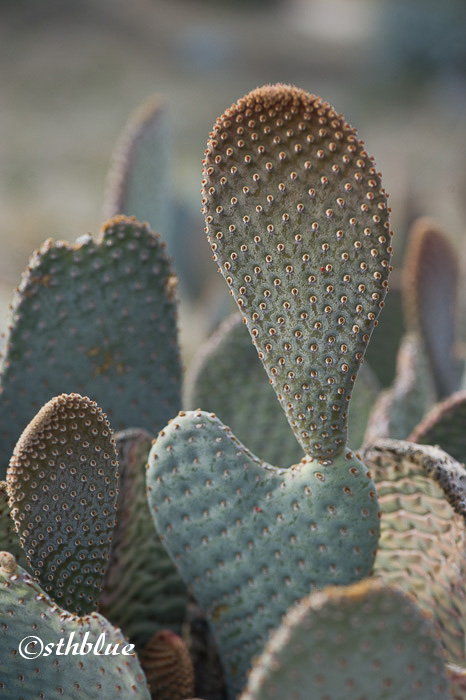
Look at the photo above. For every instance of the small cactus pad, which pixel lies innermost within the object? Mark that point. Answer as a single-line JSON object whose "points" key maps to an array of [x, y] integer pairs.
{"points": [[138, 182], [430, 289], [366, 641], [34, 663], [99, 319], [142, 590], [208, 673], [399, 409], [63, 487], [298, 223], [227, 377], [251, 539], [422, 495], [445, 426], [168, 667]]}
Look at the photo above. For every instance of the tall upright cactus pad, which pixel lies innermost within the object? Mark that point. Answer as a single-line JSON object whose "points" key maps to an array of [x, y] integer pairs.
{"points": [[142, 591], [99, 319], [228, 378], [445, 425], [422, 496], [364, 641], [298, 223], [31, 628], [63, 487], [251, 539], [399, 409], [431, 277], [138, 182]]}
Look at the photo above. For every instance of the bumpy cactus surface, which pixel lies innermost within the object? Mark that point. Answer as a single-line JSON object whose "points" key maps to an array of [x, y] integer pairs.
{"points": [[99, 319], [445, 425], [168, 667], [63, 487], [29, 670], [298, 222], [367, 640], [227, 376], [142, 590], [422, 496]]}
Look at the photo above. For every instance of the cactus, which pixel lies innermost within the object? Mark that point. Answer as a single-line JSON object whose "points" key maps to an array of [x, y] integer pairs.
{"points": [[138, 181], [142, 591], [422, 497], [63, 486], [28, 671], [444, 426], [99, 319], [228, 376], [427, 362], [9, 540], [168, 667], [367, 640], [307, 264]]}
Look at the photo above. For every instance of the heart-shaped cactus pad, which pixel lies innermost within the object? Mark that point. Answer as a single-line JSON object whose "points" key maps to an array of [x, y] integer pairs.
{"points": [[298, 223], [251, 539]]}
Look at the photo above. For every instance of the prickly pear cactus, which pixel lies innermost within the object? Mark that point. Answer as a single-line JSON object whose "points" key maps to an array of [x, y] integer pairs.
{"points": [[142, 591], [431, 277], [32, 662], [298, 223], [138, 182], [228, 377], [367, 640], [252, 539], [9, 540], [422, 496], [63, 486], [168, 667], [399, 409], [99, 319], [445, 425]]}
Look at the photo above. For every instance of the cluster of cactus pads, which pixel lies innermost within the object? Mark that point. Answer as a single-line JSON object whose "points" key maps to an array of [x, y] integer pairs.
{"points": [[284, 562]]}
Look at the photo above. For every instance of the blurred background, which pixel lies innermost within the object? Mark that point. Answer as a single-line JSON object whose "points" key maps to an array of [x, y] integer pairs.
{"points": [[71, 73]]}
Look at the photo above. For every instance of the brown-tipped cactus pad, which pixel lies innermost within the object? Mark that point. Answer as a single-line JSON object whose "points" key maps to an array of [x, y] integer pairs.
{"points": [[367, 641], [37, 656], [63, 487], [97, 318], [445, 426], [251, 539], [142, 590], [298, 223], [168, 667], [431, 277], [422, 496]]}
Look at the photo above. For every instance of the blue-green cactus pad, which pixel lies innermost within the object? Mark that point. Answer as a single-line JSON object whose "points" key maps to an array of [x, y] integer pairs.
{"points": [[367, 641], [251, 539], [98, 319], [26, 611]]}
